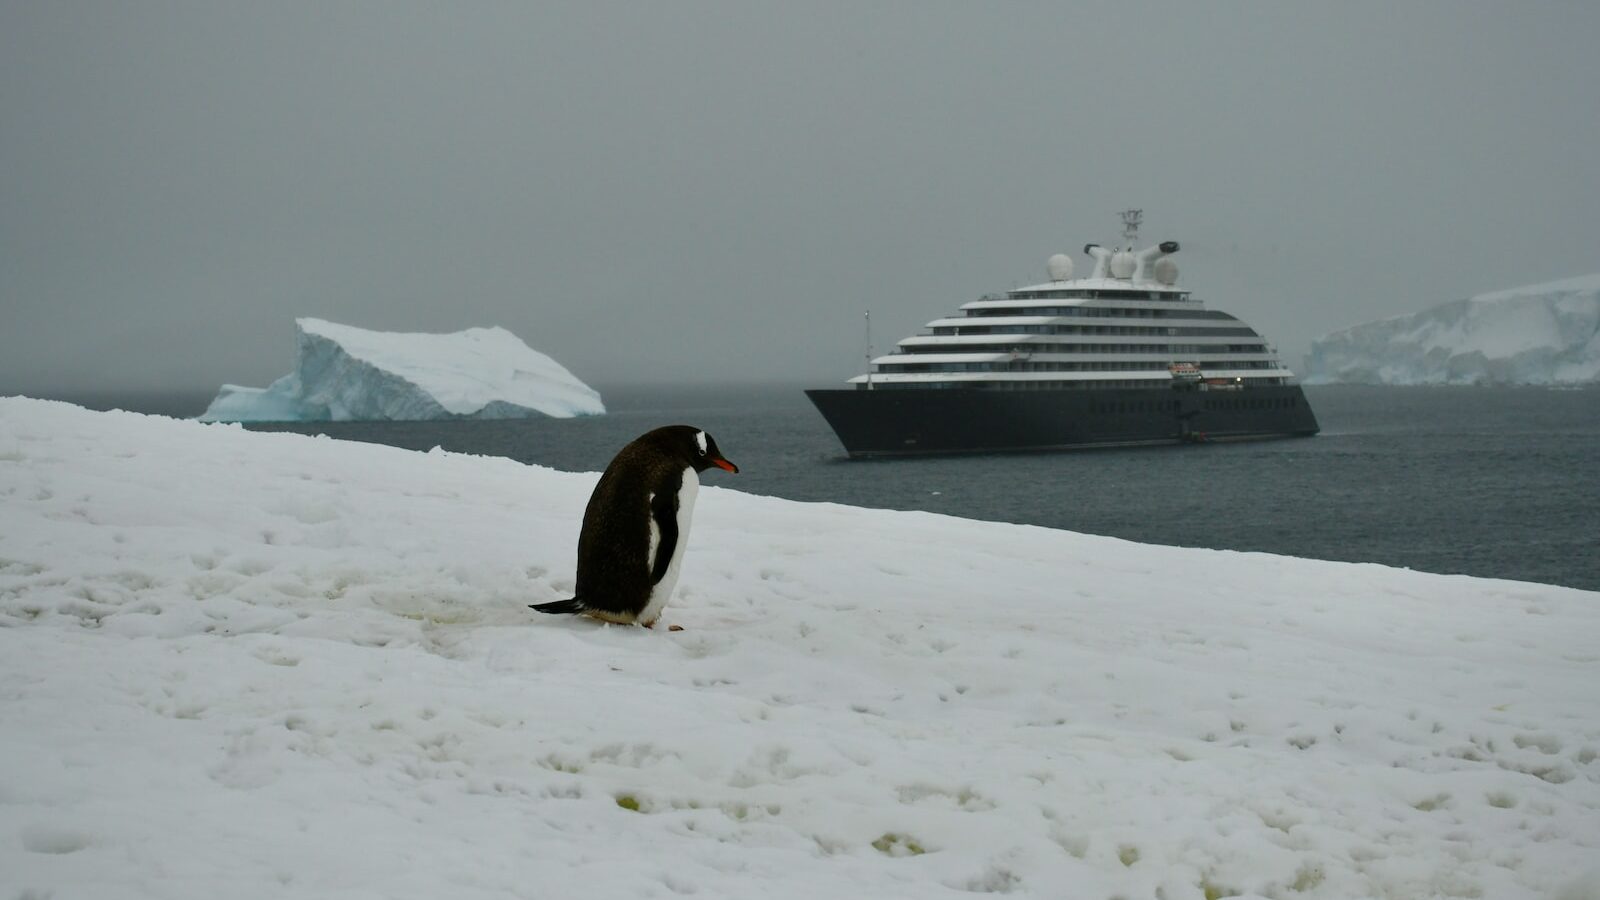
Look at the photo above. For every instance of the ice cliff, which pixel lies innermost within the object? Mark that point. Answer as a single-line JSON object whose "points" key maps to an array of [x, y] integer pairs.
{"points": [[1540, 334], [344, 373]]}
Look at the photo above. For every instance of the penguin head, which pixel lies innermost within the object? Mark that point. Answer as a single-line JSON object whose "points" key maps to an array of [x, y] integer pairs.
{"points": [[696, 447]]}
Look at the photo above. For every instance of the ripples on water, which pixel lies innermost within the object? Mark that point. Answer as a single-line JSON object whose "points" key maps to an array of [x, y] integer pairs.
{"points": [[1490, 482]]}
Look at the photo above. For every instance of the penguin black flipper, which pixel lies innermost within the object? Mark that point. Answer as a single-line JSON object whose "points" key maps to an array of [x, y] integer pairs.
{"points": [[664, 512], [559, 606]]}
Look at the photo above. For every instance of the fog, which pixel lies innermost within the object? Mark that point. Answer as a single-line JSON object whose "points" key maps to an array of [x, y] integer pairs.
{"points": [[715, 193]]}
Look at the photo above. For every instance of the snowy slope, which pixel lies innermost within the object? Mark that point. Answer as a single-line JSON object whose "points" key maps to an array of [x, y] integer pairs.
{"points": [[1539, 334], [344, 373], [264, 665]]}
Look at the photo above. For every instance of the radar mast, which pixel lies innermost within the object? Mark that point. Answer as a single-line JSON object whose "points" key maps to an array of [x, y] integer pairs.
{"points": [[1130, 225]]}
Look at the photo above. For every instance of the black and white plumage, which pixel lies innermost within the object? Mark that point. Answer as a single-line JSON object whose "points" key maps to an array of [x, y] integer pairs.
{"points": [[636, 526]]}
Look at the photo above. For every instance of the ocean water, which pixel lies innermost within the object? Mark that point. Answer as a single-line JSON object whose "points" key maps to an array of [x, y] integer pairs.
{"points": [[1490, 482]]}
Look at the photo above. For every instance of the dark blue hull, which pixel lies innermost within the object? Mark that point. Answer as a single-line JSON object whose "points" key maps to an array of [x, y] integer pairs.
{"points": [[901, 422]]}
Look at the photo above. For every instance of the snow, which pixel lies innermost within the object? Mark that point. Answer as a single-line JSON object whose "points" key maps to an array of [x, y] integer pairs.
{"points": [[1539, 334], [344, 373], [262, 665]]}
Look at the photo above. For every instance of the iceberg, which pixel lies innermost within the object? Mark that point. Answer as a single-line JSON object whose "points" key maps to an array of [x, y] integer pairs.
{"points": [[345, 374], [1541, 334]]}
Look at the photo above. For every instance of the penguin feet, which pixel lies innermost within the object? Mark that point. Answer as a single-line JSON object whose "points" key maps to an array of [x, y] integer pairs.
{"points": [[652, 625]]}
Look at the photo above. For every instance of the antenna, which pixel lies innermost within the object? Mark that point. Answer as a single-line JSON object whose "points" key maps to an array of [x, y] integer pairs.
{"points": [[869, 349], [1130, 225]]}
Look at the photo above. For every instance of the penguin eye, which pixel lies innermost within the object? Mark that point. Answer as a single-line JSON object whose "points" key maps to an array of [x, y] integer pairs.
{"points": [[700, 441]]}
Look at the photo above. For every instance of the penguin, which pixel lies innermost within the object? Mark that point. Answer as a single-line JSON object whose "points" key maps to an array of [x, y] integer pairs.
{"points": [[636, 526]]}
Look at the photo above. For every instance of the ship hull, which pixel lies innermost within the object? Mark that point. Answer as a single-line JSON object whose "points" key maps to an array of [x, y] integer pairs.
{"points": [[899, 422]]}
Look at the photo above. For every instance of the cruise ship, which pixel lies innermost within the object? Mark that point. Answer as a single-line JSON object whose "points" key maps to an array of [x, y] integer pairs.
{"points": [[1123, 357]]}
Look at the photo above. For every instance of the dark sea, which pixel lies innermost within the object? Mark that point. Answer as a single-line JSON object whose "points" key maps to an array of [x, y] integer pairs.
{"points": [[1492, 482]]}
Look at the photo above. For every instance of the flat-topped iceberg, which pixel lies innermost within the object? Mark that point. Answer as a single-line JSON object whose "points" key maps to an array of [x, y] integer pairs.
{"points": [[343, 374], [1539, 334]]}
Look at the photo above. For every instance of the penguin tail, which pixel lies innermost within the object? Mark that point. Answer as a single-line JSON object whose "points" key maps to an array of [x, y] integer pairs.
{"points": [[559, 606]]}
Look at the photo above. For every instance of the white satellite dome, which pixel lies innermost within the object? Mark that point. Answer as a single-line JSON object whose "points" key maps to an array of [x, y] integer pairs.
{"points": [[1166, 270], [1122, 264], [1060, 267]]}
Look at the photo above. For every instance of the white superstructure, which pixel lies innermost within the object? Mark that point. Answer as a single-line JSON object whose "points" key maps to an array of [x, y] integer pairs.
{"points": [[1126, 325]]}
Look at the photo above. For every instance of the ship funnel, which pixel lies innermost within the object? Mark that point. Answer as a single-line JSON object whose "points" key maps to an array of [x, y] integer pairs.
{"points": [[1146, 258], [1102, 260]]}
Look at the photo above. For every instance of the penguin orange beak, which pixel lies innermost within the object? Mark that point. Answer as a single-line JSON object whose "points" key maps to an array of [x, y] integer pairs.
{"points": [[721, 463]]}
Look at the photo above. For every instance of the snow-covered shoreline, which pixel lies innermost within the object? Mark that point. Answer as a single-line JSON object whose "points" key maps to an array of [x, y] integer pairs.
{"points": [[1539, 334], [250, 665]]}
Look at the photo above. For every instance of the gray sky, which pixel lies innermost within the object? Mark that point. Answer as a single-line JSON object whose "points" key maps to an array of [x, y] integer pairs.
{"points": [[714, 192]]}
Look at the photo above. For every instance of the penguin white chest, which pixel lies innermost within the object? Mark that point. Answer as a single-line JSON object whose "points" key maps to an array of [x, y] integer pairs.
{"points": [[662, 589]]}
